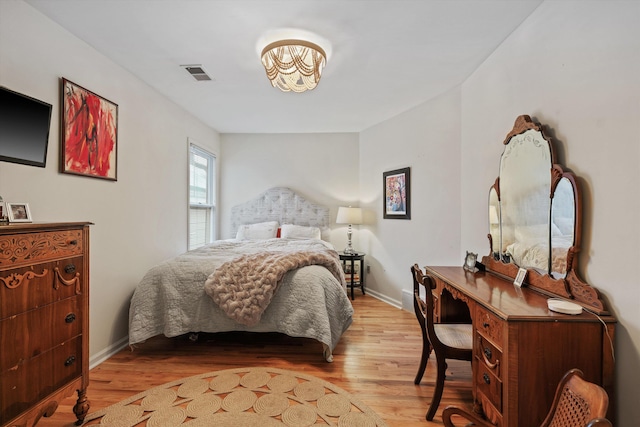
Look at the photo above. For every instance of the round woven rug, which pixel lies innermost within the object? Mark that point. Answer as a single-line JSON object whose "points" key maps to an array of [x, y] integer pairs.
{"points": [[243, 397]]}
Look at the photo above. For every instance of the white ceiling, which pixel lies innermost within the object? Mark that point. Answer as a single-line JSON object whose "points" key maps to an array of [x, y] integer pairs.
{"points": [[385, 56]]}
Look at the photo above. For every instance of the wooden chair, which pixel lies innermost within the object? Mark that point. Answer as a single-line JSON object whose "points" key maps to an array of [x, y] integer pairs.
{"points": [[577, 403], [448, 341]]}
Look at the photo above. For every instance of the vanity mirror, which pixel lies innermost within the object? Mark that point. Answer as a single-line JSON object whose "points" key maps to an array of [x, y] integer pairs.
{"points": [[535, 218]]}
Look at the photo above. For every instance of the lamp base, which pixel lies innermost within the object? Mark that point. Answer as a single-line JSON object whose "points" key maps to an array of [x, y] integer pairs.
{"points": [[349, 249]]}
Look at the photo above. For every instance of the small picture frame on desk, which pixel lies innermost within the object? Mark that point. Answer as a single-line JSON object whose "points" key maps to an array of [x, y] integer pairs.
{"points": [[522, 273], [470, 262], [19, 212]]}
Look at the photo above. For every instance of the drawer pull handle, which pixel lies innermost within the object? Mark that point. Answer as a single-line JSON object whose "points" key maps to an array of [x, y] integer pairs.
{"points": [[486, 378], [486, 356], [73, 242], [71, 359], [70, 268], [59, 279], [487, 353], [485, 324], [71, 317]]}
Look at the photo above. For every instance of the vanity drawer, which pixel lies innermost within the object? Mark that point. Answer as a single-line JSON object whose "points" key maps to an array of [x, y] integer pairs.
{"points": [[489, 326], [35, 286], [492, 415], [29, 248], [23, 387], [488, 384], [37, 331], [488, 355]]}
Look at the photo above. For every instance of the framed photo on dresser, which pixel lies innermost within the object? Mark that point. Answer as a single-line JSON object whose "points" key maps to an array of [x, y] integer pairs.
{"points": [[18, 212]]}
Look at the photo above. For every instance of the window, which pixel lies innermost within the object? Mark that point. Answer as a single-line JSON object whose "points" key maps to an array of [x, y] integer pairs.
{"points": [[202, 172]]}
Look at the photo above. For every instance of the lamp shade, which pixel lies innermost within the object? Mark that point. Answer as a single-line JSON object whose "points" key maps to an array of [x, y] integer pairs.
{"points": [[349, 215]]}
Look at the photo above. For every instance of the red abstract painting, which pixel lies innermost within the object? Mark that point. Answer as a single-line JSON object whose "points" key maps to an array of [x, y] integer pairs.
{"points": [[89, 133]]}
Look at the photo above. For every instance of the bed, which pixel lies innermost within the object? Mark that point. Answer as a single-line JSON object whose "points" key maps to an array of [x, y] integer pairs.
{"points": [[194, 291], [531, 248]]}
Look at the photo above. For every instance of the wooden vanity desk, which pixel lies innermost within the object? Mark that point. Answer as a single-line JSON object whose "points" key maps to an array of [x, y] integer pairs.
{"points": [[521, 348]]}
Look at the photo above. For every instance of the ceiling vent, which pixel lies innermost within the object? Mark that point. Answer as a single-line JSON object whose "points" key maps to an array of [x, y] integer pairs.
{"points": [[197, 72]]}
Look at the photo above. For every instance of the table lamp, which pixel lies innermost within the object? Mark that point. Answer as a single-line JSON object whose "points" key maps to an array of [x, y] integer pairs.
{"points": [[349, 215]]}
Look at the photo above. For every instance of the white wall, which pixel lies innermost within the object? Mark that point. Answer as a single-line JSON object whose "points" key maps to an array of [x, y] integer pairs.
{"points": [[426, 139], [139, 220], [323, 168], [575, 67]]}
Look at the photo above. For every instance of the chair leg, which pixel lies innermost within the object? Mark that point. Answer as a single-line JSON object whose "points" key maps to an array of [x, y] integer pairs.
{"points": [[426, 352], [437, 393]]}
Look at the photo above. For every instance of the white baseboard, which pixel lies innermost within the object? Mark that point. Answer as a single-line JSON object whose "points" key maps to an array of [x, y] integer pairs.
{"points": [[108, 352], [407, 300], [384, 298]]}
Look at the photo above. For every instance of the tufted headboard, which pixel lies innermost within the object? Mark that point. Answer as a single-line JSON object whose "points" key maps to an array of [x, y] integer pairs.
{"points": [[283, 205]]}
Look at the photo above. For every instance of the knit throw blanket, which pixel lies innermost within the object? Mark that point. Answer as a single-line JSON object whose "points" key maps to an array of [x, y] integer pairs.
{"points": [[244, 287]]}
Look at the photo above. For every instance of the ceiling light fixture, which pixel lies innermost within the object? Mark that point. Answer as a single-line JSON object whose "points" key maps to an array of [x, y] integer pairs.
{"points": [[293, 65]]}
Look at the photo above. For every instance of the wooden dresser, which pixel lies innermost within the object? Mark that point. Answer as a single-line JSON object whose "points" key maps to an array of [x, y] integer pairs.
{"points": [[44, 319], [521, 349]]}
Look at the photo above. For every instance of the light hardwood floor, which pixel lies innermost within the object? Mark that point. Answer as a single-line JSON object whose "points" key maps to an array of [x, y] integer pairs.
{"points": [[376, 361]]}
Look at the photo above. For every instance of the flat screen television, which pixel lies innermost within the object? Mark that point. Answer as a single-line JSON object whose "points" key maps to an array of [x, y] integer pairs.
{"points": [[24, 128]]}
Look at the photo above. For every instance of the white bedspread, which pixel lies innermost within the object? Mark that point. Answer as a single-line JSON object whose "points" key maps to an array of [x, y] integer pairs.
{"points": [[171, 300], [535, 253]]}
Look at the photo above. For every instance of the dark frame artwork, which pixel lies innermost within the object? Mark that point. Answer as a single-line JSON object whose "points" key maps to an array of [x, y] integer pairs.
{"points": [[396, 187], [88, 133]]}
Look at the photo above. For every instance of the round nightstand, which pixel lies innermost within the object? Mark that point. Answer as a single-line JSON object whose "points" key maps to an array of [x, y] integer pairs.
{"points": [[348, 264]]}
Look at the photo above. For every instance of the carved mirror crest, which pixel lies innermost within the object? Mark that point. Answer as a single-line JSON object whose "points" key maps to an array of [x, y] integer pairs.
{"points": [[535, 217]]}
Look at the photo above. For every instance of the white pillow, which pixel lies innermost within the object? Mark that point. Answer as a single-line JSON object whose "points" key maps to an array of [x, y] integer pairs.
{"points": [[532, 232], [260, 231], [290, 231]]}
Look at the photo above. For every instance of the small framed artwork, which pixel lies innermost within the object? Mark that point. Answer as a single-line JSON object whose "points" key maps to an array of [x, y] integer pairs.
{"points": [[397, 194], [3, 212], [470, 262], [18, 212], [522, 273], [89, 133]]}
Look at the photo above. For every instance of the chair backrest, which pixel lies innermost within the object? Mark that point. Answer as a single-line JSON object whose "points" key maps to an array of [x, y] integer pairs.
{"points": [[577, 402], [424, 307]]}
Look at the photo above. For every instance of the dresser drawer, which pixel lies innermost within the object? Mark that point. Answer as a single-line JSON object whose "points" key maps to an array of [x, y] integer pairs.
{"points": [[488, 384], [29, 248], [23, 387], [38, 331], [27, 288], [488, 355], [489, 326]]}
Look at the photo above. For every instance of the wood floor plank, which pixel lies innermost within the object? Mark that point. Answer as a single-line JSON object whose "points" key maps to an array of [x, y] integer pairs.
{"points": [[376, 361]]}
